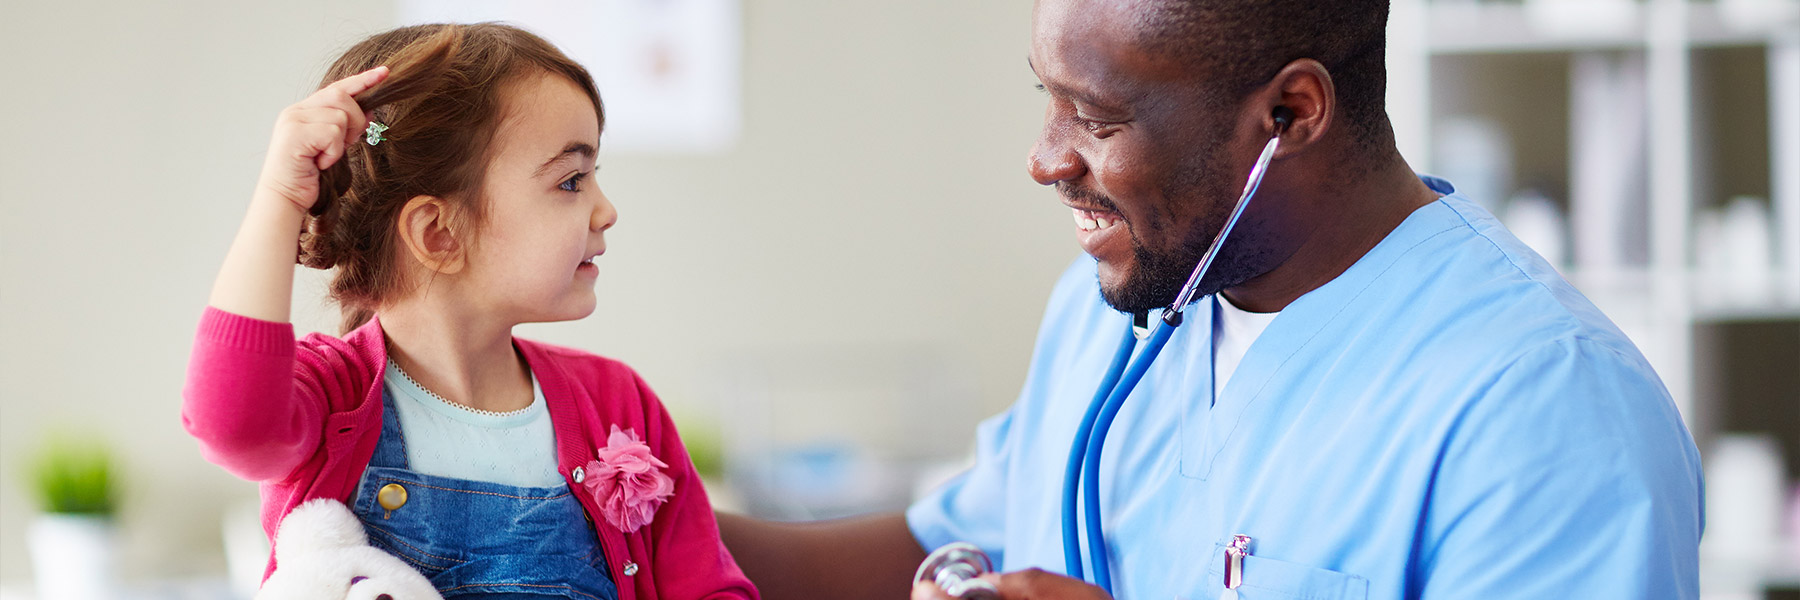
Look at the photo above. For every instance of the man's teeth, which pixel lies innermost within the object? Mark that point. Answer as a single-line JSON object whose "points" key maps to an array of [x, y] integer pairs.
{"points": [[1089, 221]]}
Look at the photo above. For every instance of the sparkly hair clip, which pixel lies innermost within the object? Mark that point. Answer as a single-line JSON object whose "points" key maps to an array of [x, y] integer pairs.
{"points": [[372, 135]]}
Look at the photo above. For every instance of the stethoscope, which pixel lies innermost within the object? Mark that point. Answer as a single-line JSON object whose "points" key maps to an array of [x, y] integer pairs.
{"points": [[955, 567], [1120, 380]]}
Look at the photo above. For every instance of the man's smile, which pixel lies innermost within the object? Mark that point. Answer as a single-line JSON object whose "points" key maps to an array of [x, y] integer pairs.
{"points": [[1103, 234]]}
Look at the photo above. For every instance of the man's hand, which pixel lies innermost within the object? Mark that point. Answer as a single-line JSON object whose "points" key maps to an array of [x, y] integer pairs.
{"points": [[1030, 584]]}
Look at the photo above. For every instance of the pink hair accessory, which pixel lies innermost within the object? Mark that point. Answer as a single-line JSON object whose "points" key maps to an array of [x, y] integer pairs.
{"points": [[627, 481]]}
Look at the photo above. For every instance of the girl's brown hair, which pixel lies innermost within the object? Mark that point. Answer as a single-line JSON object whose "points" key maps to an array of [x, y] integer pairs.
{"points": [[441, 102]]}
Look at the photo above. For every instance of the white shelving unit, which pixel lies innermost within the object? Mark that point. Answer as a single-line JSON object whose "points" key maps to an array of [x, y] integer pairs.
{"points": [[1637, 118], [1662, 34]]}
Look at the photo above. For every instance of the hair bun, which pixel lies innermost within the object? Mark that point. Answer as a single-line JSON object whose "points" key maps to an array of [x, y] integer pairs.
{"points": [[315, 247]]}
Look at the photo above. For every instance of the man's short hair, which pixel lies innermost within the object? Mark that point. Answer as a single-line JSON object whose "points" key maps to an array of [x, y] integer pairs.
{"points": [[1240, 44]]}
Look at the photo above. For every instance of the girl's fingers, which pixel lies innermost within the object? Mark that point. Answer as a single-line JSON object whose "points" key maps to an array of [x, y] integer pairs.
{"points": [[354, 133], [360, 82], [354, 120], [330, 146], [326, 158], [342, 108], [316, 132], [328, 130], [341, 97]]}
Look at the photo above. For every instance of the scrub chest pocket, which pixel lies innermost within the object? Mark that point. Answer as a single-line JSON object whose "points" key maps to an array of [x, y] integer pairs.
{"points": [[1267, 578]]}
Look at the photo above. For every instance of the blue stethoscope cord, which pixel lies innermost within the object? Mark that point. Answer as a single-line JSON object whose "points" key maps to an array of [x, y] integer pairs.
{"points": [[1078, 451], [1091, 465], [1120, 380]]}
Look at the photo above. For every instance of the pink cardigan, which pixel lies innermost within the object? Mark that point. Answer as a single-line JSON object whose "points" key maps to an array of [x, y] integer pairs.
{"points": [[302, 418]]}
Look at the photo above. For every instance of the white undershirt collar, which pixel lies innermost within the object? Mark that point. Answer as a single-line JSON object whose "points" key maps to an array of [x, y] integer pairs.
{"points": [[1234, 330]]}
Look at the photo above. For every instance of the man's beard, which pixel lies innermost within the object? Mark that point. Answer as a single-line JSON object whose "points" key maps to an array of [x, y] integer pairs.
{"points": [[1160, 275]]}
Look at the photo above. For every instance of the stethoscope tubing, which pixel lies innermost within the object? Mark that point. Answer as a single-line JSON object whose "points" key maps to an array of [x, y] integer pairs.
{"points": [[1122, 377], [1078, 451], [1252, 183], [1091, 467]]}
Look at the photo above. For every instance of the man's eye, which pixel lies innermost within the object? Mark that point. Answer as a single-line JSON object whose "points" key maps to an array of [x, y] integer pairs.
{"points": [[1097, 128], [573, 183]]}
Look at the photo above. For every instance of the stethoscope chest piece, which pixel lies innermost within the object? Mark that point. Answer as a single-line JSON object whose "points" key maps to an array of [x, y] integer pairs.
{"points": [[957, 567]]}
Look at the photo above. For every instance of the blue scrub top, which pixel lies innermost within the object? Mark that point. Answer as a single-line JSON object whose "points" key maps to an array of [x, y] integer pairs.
{"points": [[1449, 418]]}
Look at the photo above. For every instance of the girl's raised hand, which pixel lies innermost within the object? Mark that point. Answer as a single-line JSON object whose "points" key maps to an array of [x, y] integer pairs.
{"points": [[311, 135]]}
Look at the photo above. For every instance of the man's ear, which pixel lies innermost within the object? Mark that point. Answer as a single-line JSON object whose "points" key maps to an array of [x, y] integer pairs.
{"points": [[1305, 88], [425, 229]]}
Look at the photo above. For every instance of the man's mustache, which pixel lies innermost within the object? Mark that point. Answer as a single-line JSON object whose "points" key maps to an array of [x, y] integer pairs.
{"points": [[1088, 196]]}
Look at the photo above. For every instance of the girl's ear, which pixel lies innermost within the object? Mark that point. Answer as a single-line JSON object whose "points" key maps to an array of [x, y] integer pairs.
{"points": [[425, 229]]}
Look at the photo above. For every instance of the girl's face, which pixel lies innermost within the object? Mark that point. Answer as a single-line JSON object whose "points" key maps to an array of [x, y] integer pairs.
{"points": [[546, 218]]}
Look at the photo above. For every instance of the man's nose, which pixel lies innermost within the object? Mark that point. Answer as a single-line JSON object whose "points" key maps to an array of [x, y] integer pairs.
{"points": [[1052, 159]]}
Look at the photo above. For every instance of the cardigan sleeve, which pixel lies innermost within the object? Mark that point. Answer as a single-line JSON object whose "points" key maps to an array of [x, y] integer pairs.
{"points": [[691, 562], [256, 398]]}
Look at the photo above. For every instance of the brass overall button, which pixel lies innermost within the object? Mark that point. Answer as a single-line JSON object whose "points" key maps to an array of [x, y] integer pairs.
{"points": [[392, 496]]}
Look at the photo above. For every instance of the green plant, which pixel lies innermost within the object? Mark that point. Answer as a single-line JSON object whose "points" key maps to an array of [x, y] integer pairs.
{"points": [[703, 448], [701, 437], [72, 474]]}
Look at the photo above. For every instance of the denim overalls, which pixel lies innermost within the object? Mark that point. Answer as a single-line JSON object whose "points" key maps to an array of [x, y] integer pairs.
{"points": [[473, 538]]}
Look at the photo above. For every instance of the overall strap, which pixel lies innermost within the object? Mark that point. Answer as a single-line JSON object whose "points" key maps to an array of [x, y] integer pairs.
{"points": [[390, 451]]}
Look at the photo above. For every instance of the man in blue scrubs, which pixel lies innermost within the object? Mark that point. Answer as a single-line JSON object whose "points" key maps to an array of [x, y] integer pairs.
{"points": [[1389, 395]]}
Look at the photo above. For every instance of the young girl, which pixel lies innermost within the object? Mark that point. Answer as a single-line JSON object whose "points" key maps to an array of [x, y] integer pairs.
{"points": [[444, 172]]}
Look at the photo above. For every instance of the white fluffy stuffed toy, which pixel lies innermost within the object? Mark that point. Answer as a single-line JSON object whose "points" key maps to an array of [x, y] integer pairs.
{"points": [[321, 553]]}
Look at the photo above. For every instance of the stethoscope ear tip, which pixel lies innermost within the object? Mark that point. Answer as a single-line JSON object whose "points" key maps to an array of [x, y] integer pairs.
{"points": [[1284, 117]]}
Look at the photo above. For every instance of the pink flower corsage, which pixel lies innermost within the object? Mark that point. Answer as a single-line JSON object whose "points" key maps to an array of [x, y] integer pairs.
{"points": [[627, 481]]}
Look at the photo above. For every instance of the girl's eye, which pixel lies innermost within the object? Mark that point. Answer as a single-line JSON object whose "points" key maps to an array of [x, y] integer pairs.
{"points": [[573, 183]]}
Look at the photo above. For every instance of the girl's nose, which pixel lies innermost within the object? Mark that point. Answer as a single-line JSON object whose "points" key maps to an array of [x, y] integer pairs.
{"points": [[604, 216]]}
